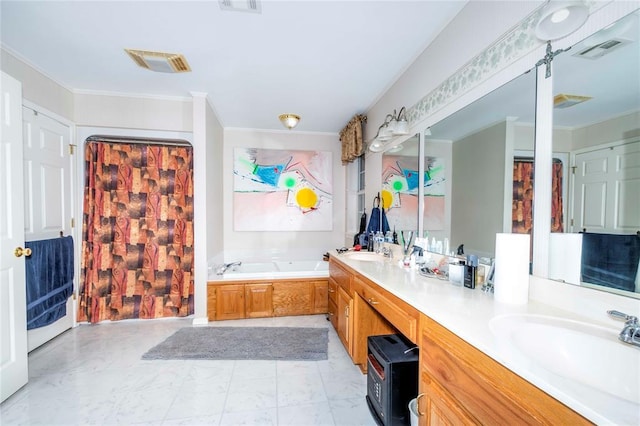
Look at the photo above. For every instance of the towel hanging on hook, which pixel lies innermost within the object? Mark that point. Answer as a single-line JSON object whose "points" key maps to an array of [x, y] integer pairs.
{"points": [[378, 220]]}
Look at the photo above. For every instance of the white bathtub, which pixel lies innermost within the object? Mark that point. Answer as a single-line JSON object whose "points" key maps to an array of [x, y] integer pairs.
{"points": [[274, 270]]}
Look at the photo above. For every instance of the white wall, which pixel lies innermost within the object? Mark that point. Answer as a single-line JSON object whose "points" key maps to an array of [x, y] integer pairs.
{"points": [[478, 190], [215, 183], [37, 87], [134, 112], [614, 130], [290, 245]]}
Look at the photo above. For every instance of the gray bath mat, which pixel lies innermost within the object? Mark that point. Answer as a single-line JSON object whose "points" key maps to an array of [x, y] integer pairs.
{"points": [[260, 343]]}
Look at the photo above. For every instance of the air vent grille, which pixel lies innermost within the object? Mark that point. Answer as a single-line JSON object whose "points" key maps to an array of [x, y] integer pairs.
{"points": [[241, 5], [159, 61], [565, 101], [601, 49]]}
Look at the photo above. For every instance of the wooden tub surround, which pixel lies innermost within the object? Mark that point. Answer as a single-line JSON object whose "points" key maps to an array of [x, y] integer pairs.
{"points": [[266, 298]]}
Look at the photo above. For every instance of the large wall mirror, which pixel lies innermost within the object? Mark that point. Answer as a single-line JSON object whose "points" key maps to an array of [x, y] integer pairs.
{"points": [[400, 184], [596, 119], [484, 139]]}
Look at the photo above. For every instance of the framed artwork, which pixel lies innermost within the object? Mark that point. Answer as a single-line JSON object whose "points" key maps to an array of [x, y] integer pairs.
{"points": [[282, 190], [400, 181]]}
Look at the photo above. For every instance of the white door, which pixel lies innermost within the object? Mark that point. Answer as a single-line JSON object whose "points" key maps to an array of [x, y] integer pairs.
{"points": [[607, 190], [13, 316], [48, 199]]}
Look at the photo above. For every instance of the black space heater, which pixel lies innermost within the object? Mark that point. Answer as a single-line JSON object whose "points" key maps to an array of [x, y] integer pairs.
{"points": [[392, 378]]}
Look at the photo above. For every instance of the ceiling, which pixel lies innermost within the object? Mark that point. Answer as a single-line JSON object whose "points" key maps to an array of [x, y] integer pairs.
{"points": [[323, 60], [612, 81]]}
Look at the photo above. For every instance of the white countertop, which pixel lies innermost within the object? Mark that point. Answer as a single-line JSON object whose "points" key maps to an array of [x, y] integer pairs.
{"points": [[468, 313]]}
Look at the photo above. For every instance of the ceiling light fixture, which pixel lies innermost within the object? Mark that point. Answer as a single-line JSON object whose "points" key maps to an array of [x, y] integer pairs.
{"points": [[289, 120], [558, 19]]}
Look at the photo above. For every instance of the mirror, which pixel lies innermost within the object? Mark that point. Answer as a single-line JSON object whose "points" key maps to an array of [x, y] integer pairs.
{"points": [[399, 194], [596, 88], [481, 140]]}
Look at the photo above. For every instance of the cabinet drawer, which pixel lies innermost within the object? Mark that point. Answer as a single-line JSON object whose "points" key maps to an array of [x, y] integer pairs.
{"points": [[340, 276], [400, 314]]}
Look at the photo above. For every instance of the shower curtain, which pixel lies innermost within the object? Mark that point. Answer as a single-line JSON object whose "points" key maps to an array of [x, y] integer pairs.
{"points": [[522, 205], [137, 248]]}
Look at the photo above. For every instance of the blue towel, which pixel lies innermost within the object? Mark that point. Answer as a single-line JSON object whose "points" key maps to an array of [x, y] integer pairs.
{"points": [[374, 221], [610, 260], [49, 280]]}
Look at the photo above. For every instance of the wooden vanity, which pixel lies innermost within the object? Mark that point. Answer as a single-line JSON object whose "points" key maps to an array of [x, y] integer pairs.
{"points": [[458, 384], [266, 298]]}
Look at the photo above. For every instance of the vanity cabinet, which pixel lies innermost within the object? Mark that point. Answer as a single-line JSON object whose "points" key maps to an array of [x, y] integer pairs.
{"points": [[320, 297], [365, 309], [332, 308], [344, 325], [461, 385]]}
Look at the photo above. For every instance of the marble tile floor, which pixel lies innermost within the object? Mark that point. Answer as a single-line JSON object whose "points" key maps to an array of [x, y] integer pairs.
{"points": [[93, 375]]}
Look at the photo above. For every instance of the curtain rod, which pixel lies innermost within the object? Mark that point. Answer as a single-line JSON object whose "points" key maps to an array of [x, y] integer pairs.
{"points": [[531, 160], [135, 140]]}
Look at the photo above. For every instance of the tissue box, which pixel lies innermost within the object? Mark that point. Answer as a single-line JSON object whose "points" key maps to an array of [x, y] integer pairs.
{"points": [[456, 274]]}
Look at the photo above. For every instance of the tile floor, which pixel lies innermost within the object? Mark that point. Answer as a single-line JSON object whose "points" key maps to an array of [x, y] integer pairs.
{"points": [[93, 374]]}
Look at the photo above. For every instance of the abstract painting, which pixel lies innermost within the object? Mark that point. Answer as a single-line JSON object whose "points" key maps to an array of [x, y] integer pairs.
{"points": [[400, 182], [281, 190]]}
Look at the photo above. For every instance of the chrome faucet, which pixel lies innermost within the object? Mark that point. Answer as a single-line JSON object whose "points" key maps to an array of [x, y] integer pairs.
{"points": [[223, 268], [631, 331]]}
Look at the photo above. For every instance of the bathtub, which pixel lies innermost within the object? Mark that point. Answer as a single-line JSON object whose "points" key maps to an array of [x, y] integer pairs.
{"points": [[275, 270]]}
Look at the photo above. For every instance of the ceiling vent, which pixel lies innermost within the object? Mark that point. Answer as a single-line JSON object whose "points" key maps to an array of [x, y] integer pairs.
{"points": [[240, 6], [565, 101], [601, 49], [159, 61]]}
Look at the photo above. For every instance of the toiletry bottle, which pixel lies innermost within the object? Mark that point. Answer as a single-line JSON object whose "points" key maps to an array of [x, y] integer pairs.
{"points": [[370, 242], [470, 276], [470, 271]]}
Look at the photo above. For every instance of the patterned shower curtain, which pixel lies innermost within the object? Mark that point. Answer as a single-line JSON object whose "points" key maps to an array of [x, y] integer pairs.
{"points": [[137, 248], [522, 207]]}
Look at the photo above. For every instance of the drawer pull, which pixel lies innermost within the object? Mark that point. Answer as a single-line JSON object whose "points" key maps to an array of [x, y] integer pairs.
{"points": [[330, 314], [372, 302], [418, 405]]}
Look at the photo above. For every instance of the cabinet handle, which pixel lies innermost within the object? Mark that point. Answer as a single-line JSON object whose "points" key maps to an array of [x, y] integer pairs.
{"points": [[330, 314], [346, 311], [418, 405], [331, 290], [372, 302]]}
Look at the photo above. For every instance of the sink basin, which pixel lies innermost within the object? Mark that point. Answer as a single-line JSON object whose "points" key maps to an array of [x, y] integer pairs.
{"points": [[577, 353], [364, 255]]}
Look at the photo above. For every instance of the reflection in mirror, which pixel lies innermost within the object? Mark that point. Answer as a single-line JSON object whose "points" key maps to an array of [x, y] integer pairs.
{"points": [[597, 123], [482, 139], [400, 171]]}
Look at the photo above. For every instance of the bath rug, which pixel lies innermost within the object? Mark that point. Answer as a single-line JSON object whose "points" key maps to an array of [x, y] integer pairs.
{"points": [[254, 343]]}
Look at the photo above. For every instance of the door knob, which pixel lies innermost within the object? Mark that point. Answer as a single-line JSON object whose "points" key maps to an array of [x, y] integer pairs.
{"points": [[19, 251]]}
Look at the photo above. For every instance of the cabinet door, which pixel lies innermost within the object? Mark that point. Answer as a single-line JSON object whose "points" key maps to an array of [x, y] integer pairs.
{"points": [[345, 306], [292, 298], [258, 302], [320, 297], [437, 407], [230, 302], [332, 312]]}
